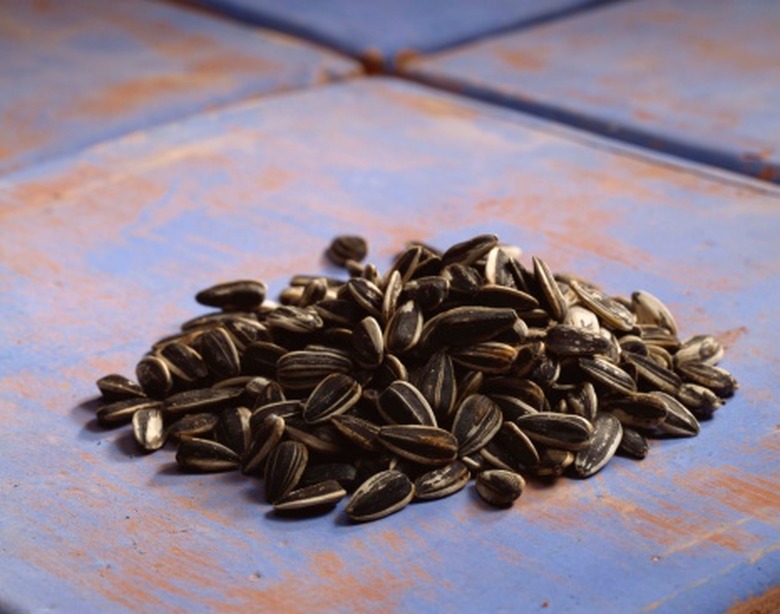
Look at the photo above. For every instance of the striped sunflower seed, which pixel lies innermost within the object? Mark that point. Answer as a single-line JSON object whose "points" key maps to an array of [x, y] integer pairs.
{"points": [[564, 431], [358, 431], [333, 396], [402, 403], [267, 434], [323, 495], [441, 482], [204, 455], [650, 310], [233, 429], [154, 376], [662, 378], [720, 381], [678, 420], [437, 384], [380, 495], [343, 473], [639, 409], [368, 345], [488, 356], [241, 295], [192, 425], [607, 374], [427, 445], [607, 434], [499, 487], [121, 412], [404, 328], [633, 444], [116, 387], [283, 468], [511, 449], [553, 298], [219, 352], [476, 422], [200, 399], [702, 348], [609, 311], [347, 247], [302, 370], [466, 326], [427, 292], [565, 340]]}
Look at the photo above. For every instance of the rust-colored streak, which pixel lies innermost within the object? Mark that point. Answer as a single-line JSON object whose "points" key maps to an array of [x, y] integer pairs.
{"points": [[430, 106], [765, 603], [525, 60], [217, 73]]}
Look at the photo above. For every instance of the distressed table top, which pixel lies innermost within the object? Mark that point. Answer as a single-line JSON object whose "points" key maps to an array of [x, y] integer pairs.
{"points": [[386, 32], [689, 77], [83, 71], [102, 252]]}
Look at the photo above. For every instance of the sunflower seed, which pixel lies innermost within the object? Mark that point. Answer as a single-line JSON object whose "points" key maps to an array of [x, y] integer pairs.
{"points": [[427, 292], [497, 268], [579, 317], [583, 401], [650, 310], [294, 320], [219, 352], [283, 468], [303, 370], [653, 373], [511, 449], [466, 326], [380, 495], [333, 396], [720, 381], [500, 487], [404, 328], [512, 407], [283, 409], [115, 387], [197, 454], [367, 295], [233, 429], [200, 399], [609, 311], [462, 280], [607, 433], [321, 438], [633, 444], [262, 358], [242, 295], [607, 374], [322, 495], [402, 403], [427, 445], [502, 296], [702, 348], [488, 356], [267, 434], [148, 429], [441, 482], [191, 425], [357, 430], [476, 422], [564, 431], [245, 331], [121, 412], [154, 376], [184, 362], [338, 312], [553, 462], [347, 247], [436, 382], [639, 410], [565, 340], [343, 473], [554, 301], [678, 421], [700, 400], [406, 263]]}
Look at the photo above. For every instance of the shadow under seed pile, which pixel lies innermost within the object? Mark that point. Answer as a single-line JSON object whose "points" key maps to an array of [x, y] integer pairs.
{"points": [[404, 386]]}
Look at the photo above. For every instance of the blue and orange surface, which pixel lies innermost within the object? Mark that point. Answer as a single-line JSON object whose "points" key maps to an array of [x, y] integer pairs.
{"points": [[105, 243]]}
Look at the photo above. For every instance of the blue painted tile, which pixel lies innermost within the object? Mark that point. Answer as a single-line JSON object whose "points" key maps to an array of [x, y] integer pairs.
{"points": [[692, 78], [79, 72], [102, 252], [385, 33]]}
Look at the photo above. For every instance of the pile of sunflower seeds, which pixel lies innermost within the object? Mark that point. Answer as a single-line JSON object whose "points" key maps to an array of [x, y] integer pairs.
{"points": [[404, 386]]}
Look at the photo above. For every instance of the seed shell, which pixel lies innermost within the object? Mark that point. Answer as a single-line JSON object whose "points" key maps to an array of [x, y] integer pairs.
{"points": [[283, 468], [204, 455], [380, 495], [322, 495], [607, 434], [441, 482], [499, 487], [148, 429], [333, 396], [427, 445]]}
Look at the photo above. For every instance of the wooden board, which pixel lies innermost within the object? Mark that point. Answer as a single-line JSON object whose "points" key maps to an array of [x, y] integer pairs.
{"points": [[691, 78], [102, 252], [79, 72]]}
